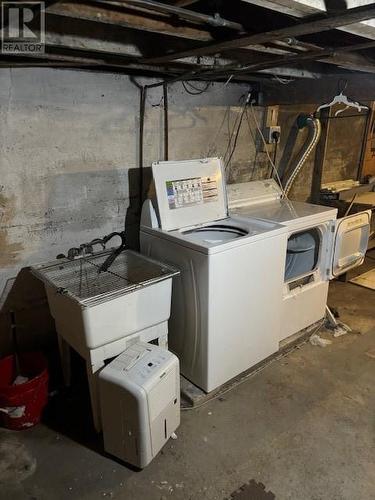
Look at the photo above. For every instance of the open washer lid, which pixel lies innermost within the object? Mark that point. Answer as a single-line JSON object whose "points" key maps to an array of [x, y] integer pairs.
{"points": [[189, 192]]}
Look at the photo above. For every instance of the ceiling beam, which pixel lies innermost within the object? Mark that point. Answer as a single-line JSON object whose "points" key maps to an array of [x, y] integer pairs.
{"points": [[311, 55], [189, 15], [100, 13], [84, 57], [126, 53], [326, 23], [345, 59], [124, 56], [351, 61], [304, 8], [65, 56], [121, 18], [125, 50]]}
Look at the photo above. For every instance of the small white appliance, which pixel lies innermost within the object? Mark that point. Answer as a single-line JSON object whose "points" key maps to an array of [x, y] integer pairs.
{"points": [[319, 247], [140, 402], [226, 301]]}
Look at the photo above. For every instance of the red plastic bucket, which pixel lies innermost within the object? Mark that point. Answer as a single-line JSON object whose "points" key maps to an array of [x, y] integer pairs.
{"points": [[21, 405]]}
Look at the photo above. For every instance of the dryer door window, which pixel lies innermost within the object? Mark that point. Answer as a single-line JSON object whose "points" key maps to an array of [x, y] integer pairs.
{"points": [[302, 254]]}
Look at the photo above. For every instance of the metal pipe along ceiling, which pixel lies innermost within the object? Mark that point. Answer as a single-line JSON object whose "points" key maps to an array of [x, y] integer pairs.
{"points": [[197, 17]]}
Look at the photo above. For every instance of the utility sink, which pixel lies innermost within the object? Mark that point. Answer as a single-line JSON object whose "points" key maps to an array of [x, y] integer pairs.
{"points": [[93, 308]]}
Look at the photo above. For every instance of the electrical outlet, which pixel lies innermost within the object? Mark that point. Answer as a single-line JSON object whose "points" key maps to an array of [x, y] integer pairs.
{"points": [[270, 132]]}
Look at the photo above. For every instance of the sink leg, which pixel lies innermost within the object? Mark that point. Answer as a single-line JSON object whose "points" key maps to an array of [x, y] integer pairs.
{"points": [[92, 377], [65, 358]]}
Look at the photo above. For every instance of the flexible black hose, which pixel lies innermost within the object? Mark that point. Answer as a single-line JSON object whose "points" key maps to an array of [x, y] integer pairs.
{"points": [[112, 256], [142, 108], [166, 126], [270, 175]]}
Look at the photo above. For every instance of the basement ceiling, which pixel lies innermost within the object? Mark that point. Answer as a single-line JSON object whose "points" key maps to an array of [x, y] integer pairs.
{"points": [[243, 40], [304, 8]]}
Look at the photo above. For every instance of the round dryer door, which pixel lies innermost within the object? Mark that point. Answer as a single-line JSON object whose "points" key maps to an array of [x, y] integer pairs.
{"points": [[216, 233]]}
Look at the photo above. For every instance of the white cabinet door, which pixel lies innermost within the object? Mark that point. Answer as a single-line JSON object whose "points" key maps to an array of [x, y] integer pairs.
{"points": [[349, 242]]}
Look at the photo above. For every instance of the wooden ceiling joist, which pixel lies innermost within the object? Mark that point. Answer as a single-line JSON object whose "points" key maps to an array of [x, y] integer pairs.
{"points": [[98, 12], [312, 55], [109, 35], [326, 23], [189, 15]]}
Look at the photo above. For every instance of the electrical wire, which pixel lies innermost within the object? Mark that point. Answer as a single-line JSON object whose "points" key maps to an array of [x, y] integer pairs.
{"points": [[276, 173], [166, 121], [283, 81], [196, 91], [212, 148], [142, 112], [227, 163], [231, 133], [274, 155], [253, 137], [347, 211], [199, 91], [228, 160]]}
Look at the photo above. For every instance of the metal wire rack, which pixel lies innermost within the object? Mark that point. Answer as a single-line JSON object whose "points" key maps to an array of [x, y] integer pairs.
{"points": [[83, 281]]}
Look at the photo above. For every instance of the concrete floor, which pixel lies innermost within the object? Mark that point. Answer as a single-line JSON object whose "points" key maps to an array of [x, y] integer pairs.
{"points": [[304, 427]]}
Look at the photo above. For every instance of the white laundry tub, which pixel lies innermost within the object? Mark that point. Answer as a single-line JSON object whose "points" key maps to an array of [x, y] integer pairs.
{"points": [[93, 308]]}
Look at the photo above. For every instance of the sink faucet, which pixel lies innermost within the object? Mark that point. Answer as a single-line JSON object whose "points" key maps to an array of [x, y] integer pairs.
{"points": [[88, 249]]}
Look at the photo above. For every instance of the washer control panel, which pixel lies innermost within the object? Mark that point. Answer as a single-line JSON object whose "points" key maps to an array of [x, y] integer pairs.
{"points": [[187, 192]]}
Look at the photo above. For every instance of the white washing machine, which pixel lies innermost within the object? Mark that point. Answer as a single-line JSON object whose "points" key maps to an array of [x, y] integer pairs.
{"points": [[319, 247], [226, 306]]}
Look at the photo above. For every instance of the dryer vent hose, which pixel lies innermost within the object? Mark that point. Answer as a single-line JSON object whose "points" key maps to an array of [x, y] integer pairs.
{"points": [[312, 140]]}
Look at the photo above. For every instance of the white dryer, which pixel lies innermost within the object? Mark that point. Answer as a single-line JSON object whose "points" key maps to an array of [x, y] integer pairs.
{"points": [[226, 303], [319, 247]]}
